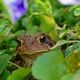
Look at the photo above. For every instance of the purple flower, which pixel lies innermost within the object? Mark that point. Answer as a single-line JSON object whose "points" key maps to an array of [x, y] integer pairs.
{"points": [[69, 2], [16, 8]]}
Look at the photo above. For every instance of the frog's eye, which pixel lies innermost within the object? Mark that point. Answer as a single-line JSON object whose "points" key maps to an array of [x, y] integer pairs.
{"points": [[42, 39]]}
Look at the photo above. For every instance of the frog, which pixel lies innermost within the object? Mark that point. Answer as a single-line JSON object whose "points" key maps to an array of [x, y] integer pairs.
{"points": [[33, 46]]}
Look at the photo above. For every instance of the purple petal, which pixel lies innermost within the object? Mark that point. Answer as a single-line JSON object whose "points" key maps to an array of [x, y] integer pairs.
{"points": [[16, 8], [69, 2]]}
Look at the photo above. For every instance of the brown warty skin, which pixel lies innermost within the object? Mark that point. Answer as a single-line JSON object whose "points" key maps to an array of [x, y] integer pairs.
{"points": [[33, 46]]}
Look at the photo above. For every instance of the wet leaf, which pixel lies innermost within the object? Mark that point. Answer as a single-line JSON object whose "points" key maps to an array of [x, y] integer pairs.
{"points": [[49, 66]]}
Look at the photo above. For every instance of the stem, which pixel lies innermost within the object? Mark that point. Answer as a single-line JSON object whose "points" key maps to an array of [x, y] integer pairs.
{"points": [[14, 64]]}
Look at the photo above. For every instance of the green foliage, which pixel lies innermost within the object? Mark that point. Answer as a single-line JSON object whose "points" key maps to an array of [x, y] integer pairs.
{"points": [[5, 74], [50, 66], [42, 6], [3, 62], [61, 23], [77, 75], [77, 11], [67, 77], [72, 57], [62, 42], [19, 74]]}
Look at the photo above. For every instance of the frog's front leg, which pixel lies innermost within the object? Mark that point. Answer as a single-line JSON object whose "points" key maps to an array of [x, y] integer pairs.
{"points": [[28, 60]]}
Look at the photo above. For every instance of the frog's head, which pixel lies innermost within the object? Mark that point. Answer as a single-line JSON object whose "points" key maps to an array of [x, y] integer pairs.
{"points": [[35, 44]]}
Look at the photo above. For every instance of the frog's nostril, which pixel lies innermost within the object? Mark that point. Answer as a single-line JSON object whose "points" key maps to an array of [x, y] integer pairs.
{"points": [[50, 44]]}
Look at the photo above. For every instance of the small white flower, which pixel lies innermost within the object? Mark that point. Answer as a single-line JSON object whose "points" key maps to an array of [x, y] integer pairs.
{"points": [[69, 2]]}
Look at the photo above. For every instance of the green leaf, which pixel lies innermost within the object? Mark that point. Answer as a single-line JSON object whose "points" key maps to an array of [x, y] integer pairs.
{"points": [[47, 23], [5, 75], [54, 34], [41, 6], [78, 28], [72, 48], [49, 66], [3, 62], [77, 11], [20, 32], [73, 57], [19, 74], [3, 24], [62, 42], [32, 31], [67, 77], [73, 61], [77, 75]]}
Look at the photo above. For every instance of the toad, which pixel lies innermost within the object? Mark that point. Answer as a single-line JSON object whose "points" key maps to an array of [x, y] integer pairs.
{"points": [[33, 46]]}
